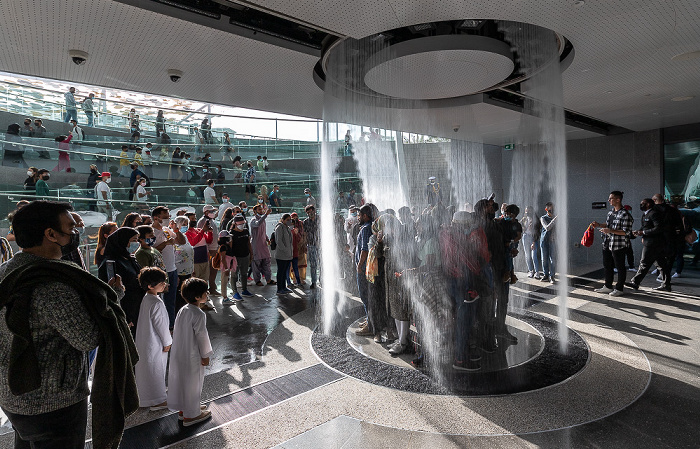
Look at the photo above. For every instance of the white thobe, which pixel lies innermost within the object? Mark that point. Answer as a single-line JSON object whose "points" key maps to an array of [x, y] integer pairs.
{"points": [[186, 376], [152, 334]]}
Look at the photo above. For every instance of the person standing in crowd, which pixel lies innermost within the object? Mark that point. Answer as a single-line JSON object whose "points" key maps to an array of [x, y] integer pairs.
{"points": [[200, 238], [531, 256], [548, 243], [312, 240], [629, 254], [198, 141], [210, 193], [89, 109], [348, 144], [653, 236], [206, 131], [298, 242], [209, 214], [160, 123], [250, 181], [184, 258], [124, 162], [13, 151], [283, 252], [65, 316], [676, 229], [432, 192], [241, 249], [32, 178], [261, 246], [118, 253], [310, 200], [40, 132], [27, 130], [166, 238], [71, 106], [225, 204], [146, 255], [361, 253], [93, 177], [103, 232], [147, 160], [189, 355], [75, 255], [260, 165], [42, 186], [226, 150], [153, 341], [616, 230], [275, 198]]}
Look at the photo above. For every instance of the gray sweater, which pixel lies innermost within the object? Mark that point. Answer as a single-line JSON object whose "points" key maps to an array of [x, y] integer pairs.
{"points": [[284, 241], [63, 332]]}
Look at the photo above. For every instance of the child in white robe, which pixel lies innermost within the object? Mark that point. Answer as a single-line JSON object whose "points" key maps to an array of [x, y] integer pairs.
{"points": [[153, 341], [189, 355]]}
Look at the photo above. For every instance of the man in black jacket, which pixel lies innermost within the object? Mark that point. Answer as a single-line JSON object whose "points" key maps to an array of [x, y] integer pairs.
{"points": [[654, 239]]}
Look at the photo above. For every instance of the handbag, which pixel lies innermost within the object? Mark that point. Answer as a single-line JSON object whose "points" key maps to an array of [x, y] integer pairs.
{"points": [[587, 239], [216, 261]]}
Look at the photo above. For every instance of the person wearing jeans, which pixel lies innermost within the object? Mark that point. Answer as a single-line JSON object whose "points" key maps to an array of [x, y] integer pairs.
{"points": [[311, 231], [241, 249], [616, 231], [548, 243], [283, 252]]}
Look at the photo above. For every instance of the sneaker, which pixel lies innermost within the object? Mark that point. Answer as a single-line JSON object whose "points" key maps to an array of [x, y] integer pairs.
{"points": [[615, 270], [237, 296], [538, 276], [271, 282], [247, 293], [364, 331], [545, 279], [466, 365], [551, 280], [660, 278], [300, 286], [259, 284], [397, 348], [207, 306], [603, 289], [181, 417], [656, 271], [632, 285], [378, 338], [313, 285], [228, 301], [490, 347], [250, 278], [676, 275], [206, 414], [155, 408], [632, 269], [531, 274], [284, 291], [615, 292], [662, 288]]}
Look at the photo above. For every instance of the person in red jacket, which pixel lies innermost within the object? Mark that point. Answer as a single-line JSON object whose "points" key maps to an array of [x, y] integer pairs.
{"points": [[199, 238]]}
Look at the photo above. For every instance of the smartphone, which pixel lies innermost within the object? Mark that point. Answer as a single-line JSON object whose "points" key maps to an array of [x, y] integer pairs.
{"points": [[110, 270]]}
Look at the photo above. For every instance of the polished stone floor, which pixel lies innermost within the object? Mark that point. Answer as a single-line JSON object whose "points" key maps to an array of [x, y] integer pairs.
{"points": [[267, 387]]}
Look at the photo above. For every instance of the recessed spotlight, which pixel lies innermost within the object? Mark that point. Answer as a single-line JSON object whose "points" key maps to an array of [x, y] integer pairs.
{"points": [[654, 113], [647, 95], [682, 98], [609, 92], [579, 3], [686, 56], [585, 70]]}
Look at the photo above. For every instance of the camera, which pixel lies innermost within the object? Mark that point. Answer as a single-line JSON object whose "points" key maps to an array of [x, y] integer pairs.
{"points": [[174, 75], [455, 128], [78, 57]]}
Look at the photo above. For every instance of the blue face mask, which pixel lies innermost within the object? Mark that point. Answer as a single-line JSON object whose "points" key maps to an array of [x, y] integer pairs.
{"points": [[354, 214], [183, 229], [506, 218], [308, 194], [151, 241], [245, 209], [133, 246]]}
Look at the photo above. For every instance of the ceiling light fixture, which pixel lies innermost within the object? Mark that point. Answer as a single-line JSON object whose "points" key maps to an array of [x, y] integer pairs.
{"points": [[686, 56], [690, 97], [579, 3]]}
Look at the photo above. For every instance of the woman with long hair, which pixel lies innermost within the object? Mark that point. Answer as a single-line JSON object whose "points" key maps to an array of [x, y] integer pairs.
{"points": [[13, 154], [132, 220], [63, 155], [105, 231]]}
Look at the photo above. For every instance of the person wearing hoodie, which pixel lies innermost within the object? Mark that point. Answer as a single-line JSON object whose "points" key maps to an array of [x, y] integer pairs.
{"points": [[283, 251]]}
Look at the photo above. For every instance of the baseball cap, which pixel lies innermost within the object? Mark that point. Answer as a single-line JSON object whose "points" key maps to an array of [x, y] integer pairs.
{"points": [[106, 174]]}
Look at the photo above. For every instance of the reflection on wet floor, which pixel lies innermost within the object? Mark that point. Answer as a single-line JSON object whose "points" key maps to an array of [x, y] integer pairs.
{"points": [[238, 332]]}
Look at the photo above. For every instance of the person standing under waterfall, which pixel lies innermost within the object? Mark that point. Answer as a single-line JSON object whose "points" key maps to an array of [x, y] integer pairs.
{"points": [[432, 191], [548, 242], [361, 253]]}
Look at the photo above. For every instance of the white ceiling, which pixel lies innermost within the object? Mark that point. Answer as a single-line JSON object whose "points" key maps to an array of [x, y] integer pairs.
{"points": [[622, 72]]}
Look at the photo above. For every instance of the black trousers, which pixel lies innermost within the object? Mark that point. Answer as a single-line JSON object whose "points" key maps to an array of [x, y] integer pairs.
{"points": [[60, 429], [651, 254], [612, 260]]}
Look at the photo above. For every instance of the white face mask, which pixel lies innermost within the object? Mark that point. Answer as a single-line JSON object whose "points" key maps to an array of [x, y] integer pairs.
{"points": [[30, 173], [260, 201], [108, 180], [213, 185], [240, 226], [225, 200]]}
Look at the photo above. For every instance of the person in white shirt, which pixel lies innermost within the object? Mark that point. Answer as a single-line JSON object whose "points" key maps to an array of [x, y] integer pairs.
{"points": [[310, 200], [225, 204], [210, 193], [167, 235], [104, 195]]}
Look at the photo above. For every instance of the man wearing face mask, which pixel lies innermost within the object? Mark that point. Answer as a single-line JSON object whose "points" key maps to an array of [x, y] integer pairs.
{"points": [[275, 198], [165, 239], [225, 204], [60, 312], [147, 255], [653, 234], [310, 200], [210, 193], [208, 218], [104, 195], [433, 192], [75, 255]]}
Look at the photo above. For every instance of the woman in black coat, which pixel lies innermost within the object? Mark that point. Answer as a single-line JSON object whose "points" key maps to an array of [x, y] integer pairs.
{"points": [[125, 265]]}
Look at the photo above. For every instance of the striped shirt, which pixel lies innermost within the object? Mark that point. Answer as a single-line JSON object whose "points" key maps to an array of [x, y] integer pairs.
{"points": [[618, 220]]}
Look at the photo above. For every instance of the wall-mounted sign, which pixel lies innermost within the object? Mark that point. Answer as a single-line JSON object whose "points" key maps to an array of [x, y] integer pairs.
{"points": [[509, 146], [599, 205]]}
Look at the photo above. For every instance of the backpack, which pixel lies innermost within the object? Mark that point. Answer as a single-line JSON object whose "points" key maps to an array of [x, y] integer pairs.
{"points": [[273, 242]]}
